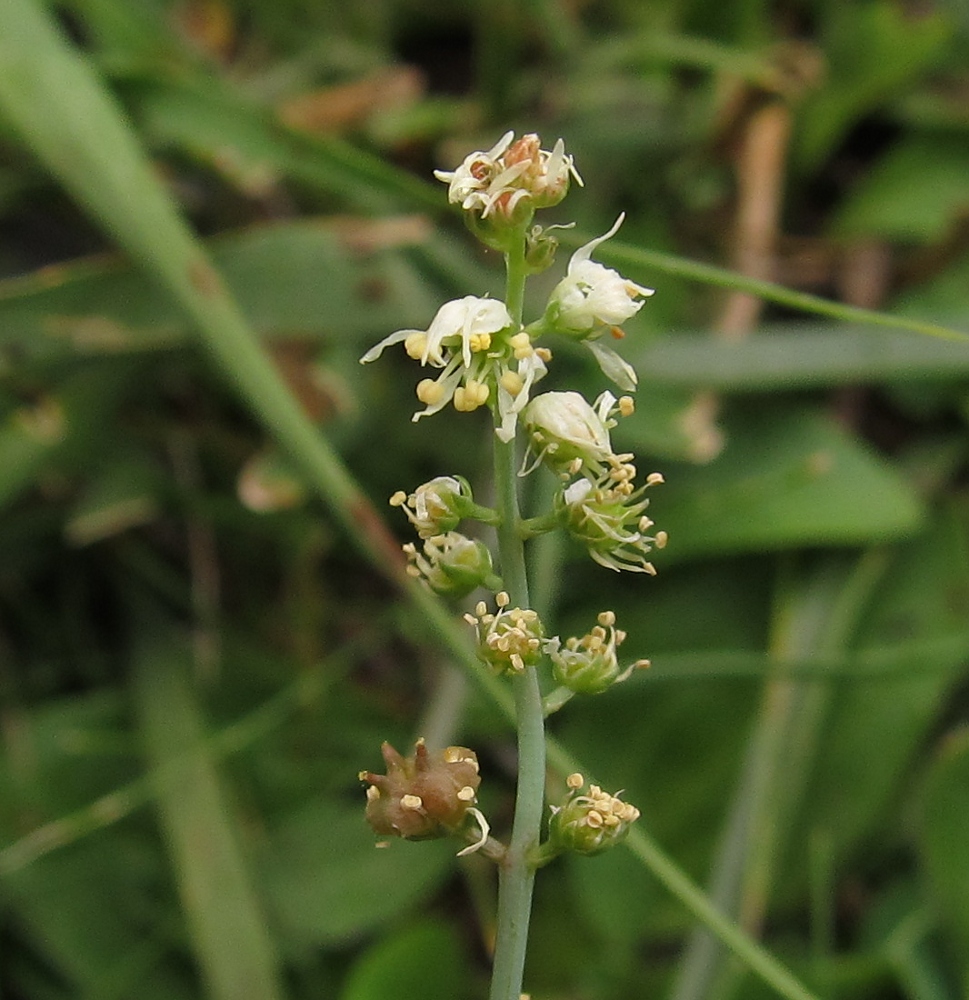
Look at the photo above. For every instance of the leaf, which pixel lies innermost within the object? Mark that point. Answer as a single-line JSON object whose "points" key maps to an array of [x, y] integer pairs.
{"points": [[228, 931], [944, 835], [786, 478], [898, 45], [342, 280], [916, 193], [798, 356], [64, 425], [877, 725], [422, 962], [328, 882], [83, 909]]}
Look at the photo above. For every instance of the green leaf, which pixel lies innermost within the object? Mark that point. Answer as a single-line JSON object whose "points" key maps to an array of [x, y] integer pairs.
{"points": [[423, 962], [83, 910], [874, 49], [786, 478], [877, 725], [328, 882], [341, 281], [228, 931], [65, 425], [944, 835], [916, 193], [801, 356]]}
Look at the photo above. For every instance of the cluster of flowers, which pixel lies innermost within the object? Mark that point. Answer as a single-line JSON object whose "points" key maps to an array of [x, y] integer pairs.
{"points": [[482, 356]]}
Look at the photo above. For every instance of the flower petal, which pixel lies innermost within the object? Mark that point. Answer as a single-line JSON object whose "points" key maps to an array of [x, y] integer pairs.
{"points": [[613, 366]]}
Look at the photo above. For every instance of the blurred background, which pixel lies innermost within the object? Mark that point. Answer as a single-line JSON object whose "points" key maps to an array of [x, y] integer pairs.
{"points": [[195, 659]]}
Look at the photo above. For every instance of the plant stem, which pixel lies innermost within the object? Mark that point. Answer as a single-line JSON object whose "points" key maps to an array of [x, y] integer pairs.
{"points": [[516, 874]]}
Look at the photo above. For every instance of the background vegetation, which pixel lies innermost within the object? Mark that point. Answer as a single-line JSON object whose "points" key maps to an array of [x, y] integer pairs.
{"points": [[200, 639]]}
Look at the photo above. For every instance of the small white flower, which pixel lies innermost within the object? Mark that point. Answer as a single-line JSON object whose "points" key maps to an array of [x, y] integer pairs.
{"points": [[469, 323], [469, 185], [457, 341], [607, 516], [567, 433], [592, 297], [514, 387]]}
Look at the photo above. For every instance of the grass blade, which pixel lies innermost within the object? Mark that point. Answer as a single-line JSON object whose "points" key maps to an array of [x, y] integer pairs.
{"points": [[228, 932]]}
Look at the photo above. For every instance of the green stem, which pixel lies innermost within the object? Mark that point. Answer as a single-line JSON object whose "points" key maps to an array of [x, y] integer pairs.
{"points": [[517, 875]]}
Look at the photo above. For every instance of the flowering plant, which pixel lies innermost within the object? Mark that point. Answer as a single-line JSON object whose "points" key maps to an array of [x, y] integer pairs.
{"points": [[486, 358]]}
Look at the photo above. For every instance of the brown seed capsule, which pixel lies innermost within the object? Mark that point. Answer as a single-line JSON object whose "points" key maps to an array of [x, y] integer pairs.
{"points": [[423, 796]]}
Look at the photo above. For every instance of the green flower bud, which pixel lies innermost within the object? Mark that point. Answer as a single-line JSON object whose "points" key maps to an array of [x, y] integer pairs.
{"points": [[510, 640], [422, 796], [540, 249], [452, 564], [589, 665], [435, 507], [589, 824]]}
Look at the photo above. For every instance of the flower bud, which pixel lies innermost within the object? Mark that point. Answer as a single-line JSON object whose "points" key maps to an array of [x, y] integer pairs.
{"points": [[422, 796], [452, 564], [540, 249], [437, 506], [510, 640], [589, 665], [589, 824]]}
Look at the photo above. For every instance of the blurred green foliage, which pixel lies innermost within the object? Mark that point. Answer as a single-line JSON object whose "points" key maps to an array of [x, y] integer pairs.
{"points": [[194, 660]]}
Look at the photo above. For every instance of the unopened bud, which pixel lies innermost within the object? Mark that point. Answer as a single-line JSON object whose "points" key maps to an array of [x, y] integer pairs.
{"points": [[452, 564]]}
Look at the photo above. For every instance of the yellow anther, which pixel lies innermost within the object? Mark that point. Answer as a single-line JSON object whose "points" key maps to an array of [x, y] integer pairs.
{"points": [[544, 353], [607, 619], [502, 599], [661, 539], [654, 479], [575, 781], [521, 345], [512, 383], [466, 794], [398, 499], [430, 392], [479, 342], [627, 406], [415, 345]]}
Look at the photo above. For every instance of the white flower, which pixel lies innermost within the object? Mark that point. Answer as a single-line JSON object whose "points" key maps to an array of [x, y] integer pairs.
{"points": [[468, 323], [457, 341], [514, 387], [593, 297], [568, 434]]}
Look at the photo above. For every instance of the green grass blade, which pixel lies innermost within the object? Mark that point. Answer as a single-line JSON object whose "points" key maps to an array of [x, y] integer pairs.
{"points": [[646, 261], [228, 931]]}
